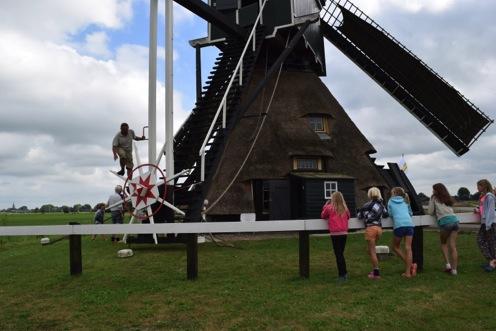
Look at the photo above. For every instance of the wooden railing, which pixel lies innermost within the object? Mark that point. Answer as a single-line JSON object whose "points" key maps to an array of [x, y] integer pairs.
{"points": [[191, 230]]}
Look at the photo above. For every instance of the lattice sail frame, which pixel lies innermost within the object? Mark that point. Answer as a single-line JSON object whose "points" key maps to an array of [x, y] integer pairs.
{"points": [[332, 14]]}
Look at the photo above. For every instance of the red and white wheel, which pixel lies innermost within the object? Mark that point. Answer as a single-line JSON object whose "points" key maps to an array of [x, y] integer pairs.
{"points": [[143, 190]]}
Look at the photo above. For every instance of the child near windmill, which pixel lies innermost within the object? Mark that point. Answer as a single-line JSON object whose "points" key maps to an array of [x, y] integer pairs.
{"points": [[337, 214], [401, 213], [372, 213]]}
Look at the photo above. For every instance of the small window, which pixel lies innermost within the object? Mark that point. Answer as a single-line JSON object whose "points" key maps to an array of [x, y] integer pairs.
{"points": [[319, 123], [304, 8], [307, 164], [329, 189]]}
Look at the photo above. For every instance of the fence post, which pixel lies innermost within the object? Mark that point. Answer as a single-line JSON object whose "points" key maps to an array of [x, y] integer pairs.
{"points": [[75, 255], [192, 256], [418, 247], [304, 247]]}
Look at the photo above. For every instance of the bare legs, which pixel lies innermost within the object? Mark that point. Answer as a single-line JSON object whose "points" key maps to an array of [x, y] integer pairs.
{"points": [[372, 254], [407, 255], [448, 245]]}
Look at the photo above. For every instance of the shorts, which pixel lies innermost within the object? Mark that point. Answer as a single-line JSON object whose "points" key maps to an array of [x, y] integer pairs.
{"points": [[126, 157], [117, 217], [404, 231], [373, 233], [450, 227]]}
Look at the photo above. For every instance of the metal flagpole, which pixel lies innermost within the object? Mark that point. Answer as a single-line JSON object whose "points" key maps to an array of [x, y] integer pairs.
{"points": [[169, 75], [152, 84]]}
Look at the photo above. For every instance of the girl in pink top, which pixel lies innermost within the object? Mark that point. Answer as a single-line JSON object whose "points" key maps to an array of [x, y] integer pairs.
{"points": [[337, 214]]}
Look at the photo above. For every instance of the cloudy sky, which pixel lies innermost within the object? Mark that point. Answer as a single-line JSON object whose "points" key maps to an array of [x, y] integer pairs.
{"points": [[71, 71]]}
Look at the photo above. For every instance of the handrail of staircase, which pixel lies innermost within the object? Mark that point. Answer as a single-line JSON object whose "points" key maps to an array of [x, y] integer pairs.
{"points": [[223, 104]]}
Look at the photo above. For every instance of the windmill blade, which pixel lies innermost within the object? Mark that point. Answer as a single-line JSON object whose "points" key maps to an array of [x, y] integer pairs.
{"points": [[213, 16], [440, 107]]}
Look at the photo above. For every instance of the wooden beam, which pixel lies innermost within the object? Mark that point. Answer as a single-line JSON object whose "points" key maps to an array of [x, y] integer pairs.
{"points": [[213, 16], [304, 257], [209, 227], [192, 256], [418, 247], [75, 254]]}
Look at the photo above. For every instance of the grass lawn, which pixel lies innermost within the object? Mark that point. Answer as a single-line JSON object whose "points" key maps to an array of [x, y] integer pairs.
{"points": [[252, 286], [49, 218]]}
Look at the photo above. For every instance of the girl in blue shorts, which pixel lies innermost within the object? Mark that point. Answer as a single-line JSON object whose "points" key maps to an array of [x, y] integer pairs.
{"points": [[401, 214], [441, 207]]}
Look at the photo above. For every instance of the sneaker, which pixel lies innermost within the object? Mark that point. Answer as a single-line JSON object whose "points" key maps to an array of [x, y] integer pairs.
{"points": [[371, 275], [342, 279], [489, 268], [454, 272], [121, 172]]}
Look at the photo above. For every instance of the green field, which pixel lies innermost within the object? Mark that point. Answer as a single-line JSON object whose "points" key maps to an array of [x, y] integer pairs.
{"points": [[48, 218], [252, 286]]}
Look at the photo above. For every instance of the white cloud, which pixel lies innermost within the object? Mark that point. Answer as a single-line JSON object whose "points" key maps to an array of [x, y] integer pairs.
{"points": [[55, 19], [96, 43], [135, 57], [60, 111], [375, 7]]}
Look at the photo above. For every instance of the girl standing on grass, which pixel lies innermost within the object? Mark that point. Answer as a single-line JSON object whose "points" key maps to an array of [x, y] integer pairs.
{"points": [[441, 207], [401, 214], [372, 213], [486, 237], [337, 214]]}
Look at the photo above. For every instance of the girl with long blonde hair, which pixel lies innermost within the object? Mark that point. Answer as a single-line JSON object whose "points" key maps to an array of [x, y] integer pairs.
{"points": [[336, 212], [372, 213]]}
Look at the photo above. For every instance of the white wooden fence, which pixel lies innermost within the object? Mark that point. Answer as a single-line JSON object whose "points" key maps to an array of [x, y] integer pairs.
{"points": [[190, 231], [205, 227]]}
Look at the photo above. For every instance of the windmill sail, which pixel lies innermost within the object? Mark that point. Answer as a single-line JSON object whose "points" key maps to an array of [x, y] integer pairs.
{"points": [[439, 106]]}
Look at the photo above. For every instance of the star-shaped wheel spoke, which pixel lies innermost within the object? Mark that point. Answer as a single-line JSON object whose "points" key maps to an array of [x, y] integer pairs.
{"points": [[143, 190]]}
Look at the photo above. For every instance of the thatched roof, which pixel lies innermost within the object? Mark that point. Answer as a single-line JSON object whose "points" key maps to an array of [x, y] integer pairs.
{"points": [[286, 133]]}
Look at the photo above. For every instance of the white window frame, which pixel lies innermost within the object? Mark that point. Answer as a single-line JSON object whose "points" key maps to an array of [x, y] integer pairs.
{"points": [[315, 121], [329, 188]]}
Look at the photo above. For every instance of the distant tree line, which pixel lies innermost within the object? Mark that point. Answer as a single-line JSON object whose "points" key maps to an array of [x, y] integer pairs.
{"points": [[463, 194], [49, 208]]}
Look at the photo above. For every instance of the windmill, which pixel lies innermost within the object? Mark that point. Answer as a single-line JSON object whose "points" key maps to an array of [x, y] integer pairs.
{"points": [[266, 132]]}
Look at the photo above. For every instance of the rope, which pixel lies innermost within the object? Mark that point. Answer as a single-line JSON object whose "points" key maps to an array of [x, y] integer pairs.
{"points": [[254, 140]]}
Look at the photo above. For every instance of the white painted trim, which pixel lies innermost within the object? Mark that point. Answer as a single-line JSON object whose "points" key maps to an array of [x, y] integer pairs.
{"points": [[169, 87], [325, 188], [152, 83], [208, 227]]}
